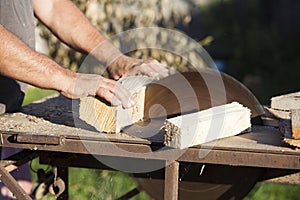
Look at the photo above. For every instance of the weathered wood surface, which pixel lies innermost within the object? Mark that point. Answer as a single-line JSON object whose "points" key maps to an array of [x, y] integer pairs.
{"points": [[111, 119], [207, 125], [287, 109], [57, 116], [286, 102], [280, 114]]}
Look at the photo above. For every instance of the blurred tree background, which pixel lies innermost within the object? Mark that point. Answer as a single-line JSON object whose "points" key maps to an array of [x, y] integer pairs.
{"points": [[116, 16], [256, 41]]}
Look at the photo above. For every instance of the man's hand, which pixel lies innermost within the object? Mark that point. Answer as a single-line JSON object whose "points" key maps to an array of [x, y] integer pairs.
{"points": [[125, 65], [94, 85]]}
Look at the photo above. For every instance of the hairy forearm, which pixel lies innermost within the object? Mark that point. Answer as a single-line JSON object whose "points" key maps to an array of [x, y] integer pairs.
{"points": [[67, 22], [20, 62]]}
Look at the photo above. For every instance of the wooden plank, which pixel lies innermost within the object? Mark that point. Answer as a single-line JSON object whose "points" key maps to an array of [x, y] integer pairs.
{"points": [[111, 119], [286, 102], [208, 125], [171, 181], [13, 185], [16, 160], [281, 114]]}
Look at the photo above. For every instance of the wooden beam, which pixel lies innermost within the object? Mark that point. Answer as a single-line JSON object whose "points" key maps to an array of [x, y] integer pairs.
{"points": [[207, 125], [111, 119]]}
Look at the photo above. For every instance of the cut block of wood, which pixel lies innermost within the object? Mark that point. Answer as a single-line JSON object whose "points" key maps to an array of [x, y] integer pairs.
{"points": [[286, 102], [207, 125], [111, 119]]}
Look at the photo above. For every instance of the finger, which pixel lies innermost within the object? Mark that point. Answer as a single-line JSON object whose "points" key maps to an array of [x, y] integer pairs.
{"points": [[118, 92], [160, 68], [108, 96], [154, 68], [123, 95], [133, 71]]}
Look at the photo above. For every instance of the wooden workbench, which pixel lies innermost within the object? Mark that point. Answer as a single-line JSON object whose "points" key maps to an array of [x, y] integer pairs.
{"points": [[51, 129]]}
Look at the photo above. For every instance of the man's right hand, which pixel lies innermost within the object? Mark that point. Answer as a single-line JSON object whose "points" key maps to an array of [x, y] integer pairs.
{"points": [[84, 85]]}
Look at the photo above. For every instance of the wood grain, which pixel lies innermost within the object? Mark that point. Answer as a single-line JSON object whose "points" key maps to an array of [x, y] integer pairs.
{"points": [[111, 119], [286, 102], [208, 125]]}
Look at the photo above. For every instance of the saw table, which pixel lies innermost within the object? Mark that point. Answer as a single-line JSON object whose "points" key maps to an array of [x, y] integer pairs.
{"points": [[223, 169]]}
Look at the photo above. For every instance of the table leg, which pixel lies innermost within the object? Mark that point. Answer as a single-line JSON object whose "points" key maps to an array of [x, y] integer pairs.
{"points": [[12, 184], [62, 172], [171, 180]]}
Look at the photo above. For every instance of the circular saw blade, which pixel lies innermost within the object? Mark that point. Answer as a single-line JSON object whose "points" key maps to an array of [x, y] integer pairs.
{"points": [[188, 92]]}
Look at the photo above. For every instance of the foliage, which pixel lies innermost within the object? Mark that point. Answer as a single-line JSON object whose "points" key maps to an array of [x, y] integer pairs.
{"points": [[92, 184], [272, 191], [258, 54]]}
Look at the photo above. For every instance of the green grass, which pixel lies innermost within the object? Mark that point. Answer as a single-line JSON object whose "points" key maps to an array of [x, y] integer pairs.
{"points": [[272, 191], [34, 94], [92, 184]]}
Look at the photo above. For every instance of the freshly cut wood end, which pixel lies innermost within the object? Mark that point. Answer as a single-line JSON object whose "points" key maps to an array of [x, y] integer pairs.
{"points": [[207, 125], [111, 119], [98, 114]]}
